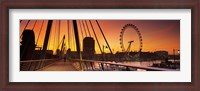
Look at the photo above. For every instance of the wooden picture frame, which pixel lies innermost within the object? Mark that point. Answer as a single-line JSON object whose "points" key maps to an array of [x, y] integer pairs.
{"points": [[100, 4]]}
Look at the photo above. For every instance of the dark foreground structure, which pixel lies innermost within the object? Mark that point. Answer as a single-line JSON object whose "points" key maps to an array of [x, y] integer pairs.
{"points": [[27, 45]]}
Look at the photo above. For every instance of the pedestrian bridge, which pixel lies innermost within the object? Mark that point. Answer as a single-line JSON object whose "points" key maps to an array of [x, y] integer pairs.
{"points": [[82, 65]]}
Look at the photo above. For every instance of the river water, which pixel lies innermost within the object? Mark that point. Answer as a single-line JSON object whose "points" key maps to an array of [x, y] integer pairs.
{"points": [[146, 63], [136, 63]]}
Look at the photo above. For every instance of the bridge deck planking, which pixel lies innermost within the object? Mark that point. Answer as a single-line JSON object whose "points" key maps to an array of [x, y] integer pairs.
{"points": [[59, 66]]}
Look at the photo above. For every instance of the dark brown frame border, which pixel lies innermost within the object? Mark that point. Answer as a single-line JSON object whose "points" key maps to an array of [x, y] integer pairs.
{"points": [[99, 4]]}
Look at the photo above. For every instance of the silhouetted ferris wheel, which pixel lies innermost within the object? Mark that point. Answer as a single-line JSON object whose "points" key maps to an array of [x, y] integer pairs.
{"points": [[126, 51]]}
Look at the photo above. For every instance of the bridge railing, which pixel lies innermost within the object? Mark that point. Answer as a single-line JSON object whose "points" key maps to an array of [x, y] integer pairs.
{"points": [[91, 65], [32, 65]]}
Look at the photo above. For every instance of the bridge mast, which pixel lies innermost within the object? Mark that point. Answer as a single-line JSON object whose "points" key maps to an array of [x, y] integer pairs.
{"points": [[77, 40], [46, 39]]}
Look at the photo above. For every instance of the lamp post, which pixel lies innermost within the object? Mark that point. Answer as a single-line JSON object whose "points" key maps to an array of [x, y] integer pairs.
{"points": [[103, 52]]}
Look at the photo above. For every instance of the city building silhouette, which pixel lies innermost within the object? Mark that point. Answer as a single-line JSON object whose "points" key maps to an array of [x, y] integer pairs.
{"points": [[88, 48], [27, 45]]}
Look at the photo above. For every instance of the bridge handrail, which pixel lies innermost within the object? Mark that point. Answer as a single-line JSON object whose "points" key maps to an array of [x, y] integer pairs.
{"points": [[128, 65], [26, 61], [31, 65]]}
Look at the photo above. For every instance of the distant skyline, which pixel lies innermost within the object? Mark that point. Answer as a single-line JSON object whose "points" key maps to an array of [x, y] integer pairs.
{"points": [[156, 34]]}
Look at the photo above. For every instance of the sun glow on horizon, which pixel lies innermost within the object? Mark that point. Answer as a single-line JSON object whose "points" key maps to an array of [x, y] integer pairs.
{"points": [[156, 34]]}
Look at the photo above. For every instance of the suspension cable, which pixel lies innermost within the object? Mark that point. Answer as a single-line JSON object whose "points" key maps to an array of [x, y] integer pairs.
{"points": [[81, 29], [34, 25], [88, 28], [58, 32], [40, 32], [95, 36], [48, 43], [81, 32], [54, 33], [73, 39], [68, 34], [84, 28], [104, 36], [27, 24], [25, 28], [59, 44]]}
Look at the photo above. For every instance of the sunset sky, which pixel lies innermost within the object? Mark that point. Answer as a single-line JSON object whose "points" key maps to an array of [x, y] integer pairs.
{"points": [[156, 34]]}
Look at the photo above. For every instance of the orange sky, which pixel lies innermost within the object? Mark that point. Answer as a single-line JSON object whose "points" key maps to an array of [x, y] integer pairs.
{"points": [[156, 34]]}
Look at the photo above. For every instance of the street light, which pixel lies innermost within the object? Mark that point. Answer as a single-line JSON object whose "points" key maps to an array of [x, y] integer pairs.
{"points": [[104, 47], [103, 51]]}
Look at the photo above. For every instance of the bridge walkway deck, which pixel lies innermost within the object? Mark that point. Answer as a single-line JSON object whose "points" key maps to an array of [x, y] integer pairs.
{"points": [[59, 66]]}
